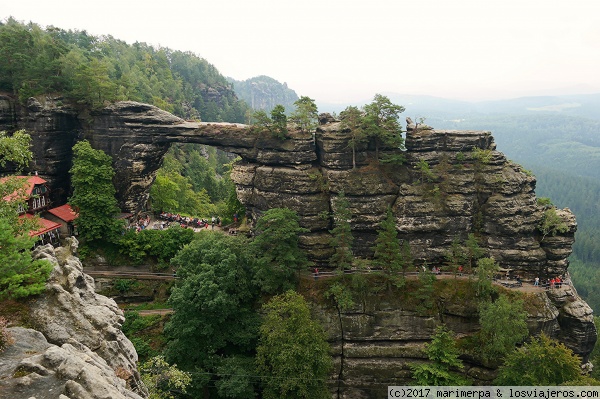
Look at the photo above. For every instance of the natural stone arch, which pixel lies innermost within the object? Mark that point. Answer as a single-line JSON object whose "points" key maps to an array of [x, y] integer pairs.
{"points": [[305, 173]]}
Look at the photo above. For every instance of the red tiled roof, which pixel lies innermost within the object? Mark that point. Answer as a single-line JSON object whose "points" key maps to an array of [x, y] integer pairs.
{"points": [[32, 181], [45, 226], [64, 212]]}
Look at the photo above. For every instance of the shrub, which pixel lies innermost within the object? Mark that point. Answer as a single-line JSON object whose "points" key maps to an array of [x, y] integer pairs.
{"points": [[160, 244]]}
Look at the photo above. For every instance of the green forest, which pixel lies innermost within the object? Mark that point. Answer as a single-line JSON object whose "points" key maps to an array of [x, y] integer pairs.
{"points": [[93, 71], [244, 323]]}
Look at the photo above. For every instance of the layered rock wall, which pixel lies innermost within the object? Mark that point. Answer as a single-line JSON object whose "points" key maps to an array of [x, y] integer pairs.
{"points": [[376, 341], [469, 187]]}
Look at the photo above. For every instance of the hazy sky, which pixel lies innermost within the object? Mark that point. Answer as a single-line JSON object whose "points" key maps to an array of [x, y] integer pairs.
{"points": [[343, 51]]}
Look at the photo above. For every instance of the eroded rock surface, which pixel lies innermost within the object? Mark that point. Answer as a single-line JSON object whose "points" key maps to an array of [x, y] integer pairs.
{"points": [[34, 368], [377, 340], [77, 347], [470, 187]]}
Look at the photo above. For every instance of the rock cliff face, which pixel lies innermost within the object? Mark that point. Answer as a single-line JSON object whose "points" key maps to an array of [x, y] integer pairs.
{"points": [[375, 342], [453, 182], [77, 349]]}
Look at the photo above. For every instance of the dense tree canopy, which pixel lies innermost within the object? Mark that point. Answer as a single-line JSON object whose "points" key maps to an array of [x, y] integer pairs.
{"points": [[541, 362], [195, 180], [293, 355], [92, 71], [15, 149], [503, 325], [94, 194], [214, 325], [279, 259]]}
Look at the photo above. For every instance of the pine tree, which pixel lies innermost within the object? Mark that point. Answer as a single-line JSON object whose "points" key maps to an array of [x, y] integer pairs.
{"points": [[443, 355], [388, 253], [341, 240]]}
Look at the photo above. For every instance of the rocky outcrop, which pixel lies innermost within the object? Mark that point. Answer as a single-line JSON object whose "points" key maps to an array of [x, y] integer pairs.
{"points": [[377, 340], [77, 347], [34, 368], [54, 128], [452, 183]]}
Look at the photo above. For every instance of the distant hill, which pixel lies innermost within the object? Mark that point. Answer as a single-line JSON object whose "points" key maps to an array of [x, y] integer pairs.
{"points": [[582, 105], [561, 131], [264, 93]]}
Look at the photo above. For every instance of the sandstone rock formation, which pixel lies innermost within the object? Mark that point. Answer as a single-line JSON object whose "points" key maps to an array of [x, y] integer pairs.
{"points": [[452, 183], [376, 341], [34, 368], [472, 188], [77, 347]]}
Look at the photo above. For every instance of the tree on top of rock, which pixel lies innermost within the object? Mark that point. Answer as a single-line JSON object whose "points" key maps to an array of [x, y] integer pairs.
{"points": [[381, 123], [305, 117], [352, 119]]}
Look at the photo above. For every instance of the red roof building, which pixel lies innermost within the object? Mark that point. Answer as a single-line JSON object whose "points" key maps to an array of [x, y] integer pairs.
{"points": [[47, 232], [35, 192], [64, 212], [64, 215]]}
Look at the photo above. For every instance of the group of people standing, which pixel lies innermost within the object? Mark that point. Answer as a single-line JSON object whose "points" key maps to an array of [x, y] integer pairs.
{"points": [[555, 282], [141, 223]]}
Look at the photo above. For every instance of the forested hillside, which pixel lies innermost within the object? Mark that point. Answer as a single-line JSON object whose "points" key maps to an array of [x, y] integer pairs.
{"points": [[93, 71]]}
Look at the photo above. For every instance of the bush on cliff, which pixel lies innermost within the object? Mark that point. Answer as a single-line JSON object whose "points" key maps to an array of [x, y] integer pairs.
{"points": [[542, 361], [443, 355]]}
